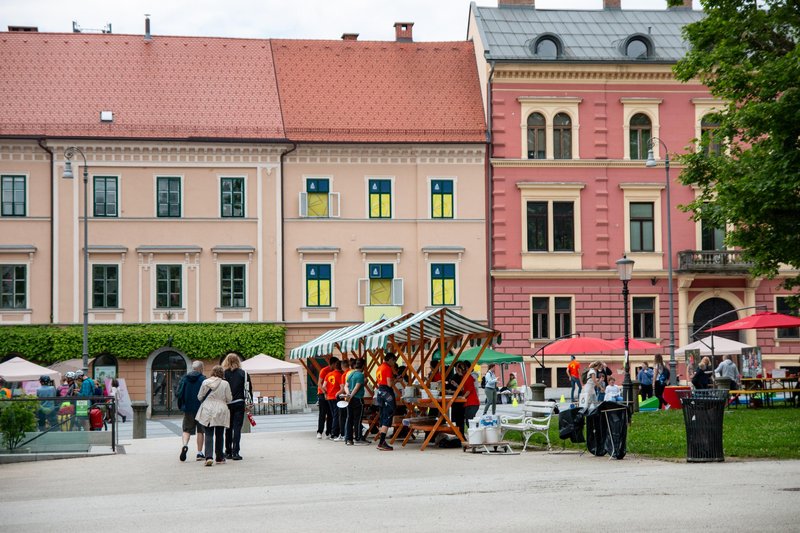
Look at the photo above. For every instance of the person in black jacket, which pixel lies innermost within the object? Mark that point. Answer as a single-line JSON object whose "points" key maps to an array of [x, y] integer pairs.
{"points": [[236, 378], [702, 376], [188, 402]]}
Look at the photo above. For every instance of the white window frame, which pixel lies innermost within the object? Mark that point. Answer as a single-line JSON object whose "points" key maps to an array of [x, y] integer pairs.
{"points": [[364, 288], [220, 177], [430, 196], [703, 107], [393, 194], [646, 106], [644, 192], [183, 194], [27, 177], [334, 201], [550, 192], [549, 107], [656, 318], [551, 315]]}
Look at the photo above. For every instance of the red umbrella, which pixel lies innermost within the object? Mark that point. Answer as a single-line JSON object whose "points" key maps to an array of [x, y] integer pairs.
{"points": [[764, 320], [575, 345], [634, 344]]}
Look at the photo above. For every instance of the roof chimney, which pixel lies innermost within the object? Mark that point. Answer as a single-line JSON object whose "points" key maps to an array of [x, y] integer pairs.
{"points": [[23, 28], [402, 31], [612, 4], [147, 36], [349, 36], [687, 4], [509, 3]]}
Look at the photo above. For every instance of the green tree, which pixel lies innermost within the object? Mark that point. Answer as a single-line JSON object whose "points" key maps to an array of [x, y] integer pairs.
{"points": [[746, 52]]}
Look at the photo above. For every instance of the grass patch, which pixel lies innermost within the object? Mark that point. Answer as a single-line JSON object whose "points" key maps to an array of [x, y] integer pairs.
{"points": [[747, 433]]}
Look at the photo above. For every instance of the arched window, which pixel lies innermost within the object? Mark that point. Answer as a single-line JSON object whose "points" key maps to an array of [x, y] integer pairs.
{"points": [[637, 49], [708, 129], [546, 48], [104, 367], [536, 136], [640, 134], [562, 136]]}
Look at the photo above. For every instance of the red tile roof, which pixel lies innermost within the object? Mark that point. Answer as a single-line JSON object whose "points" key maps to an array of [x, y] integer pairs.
{"points": [[200, 87], [172, 87], [368, 91]]}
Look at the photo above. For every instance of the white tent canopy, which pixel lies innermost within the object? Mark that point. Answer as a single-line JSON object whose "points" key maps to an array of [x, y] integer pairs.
{"points": [[18, 369], [264, 364], [722, 346]]}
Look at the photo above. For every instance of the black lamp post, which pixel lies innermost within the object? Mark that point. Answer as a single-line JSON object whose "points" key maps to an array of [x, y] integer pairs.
{"points": [[68, 155], [651, 162], [625, 269]]}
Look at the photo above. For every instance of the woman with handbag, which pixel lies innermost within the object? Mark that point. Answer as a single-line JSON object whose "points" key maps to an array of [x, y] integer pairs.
{"points": [[214, 415], [240, 385]]}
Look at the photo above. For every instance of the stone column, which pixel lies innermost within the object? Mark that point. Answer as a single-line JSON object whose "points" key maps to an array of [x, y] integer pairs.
{"points": [[537, 392], [139, 419]]}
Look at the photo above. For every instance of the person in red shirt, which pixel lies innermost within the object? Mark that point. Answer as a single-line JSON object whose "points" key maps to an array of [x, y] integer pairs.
{"points": [[333, 386], [384, 398], [470, 392], [325, 417], [574, 372]]}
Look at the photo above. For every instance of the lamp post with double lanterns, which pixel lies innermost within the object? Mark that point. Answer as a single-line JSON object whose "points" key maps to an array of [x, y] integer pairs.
{"points": [[651, 163], [625, 269], [69, 153]]}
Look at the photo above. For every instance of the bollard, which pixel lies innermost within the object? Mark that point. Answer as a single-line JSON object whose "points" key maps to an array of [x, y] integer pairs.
{"points": [[537, 392], [635, 395], [139, 419]]}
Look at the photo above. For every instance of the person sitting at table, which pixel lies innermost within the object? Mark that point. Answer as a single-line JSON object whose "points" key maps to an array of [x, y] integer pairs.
{"points": [[384, 398], [508, 390], [612, 392], [702, 376]]}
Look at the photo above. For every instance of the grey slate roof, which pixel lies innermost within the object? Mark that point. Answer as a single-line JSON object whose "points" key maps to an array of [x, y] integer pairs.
{"points": [[508, 33]]}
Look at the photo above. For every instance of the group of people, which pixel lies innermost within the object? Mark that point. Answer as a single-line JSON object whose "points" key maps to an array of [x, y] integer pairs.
{"points": [[600, 385], [57, 414], [214, 409], [341, 387]]}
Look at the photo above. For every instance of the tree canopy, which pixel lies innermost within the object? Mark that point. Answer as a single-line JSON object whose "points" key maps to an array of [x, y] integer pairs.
{"points": [[746, 52]]}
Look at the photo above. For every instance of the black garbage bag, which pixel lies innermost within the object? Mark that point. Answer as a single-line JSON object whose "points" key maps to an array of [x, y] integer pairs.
{"points": [[607, 430], [570, 425]]}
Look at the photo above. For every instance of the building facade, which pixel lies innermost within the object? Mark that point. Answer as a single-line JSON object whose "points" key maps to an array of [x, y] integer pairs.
{"points": [[261, 193], [574, 100]]}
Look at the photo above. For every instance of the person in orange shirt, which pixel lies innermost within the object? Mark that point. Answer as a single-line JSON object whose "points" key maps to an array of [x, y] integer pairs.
{"points": [[5, 392], [325, 417], [574, 371], [384, 398], [333, 386]]}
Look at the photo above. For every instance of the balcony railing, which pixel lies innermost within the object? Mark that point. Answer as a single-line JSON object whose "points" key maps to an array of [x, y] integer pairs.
{"points": [[712, 261]]}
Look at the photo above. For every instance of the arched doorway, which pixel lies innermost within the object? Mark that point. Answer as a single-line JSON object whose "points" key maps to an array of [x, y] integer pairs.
{"points": [[166, 371], [711, 308], [105, 366]]}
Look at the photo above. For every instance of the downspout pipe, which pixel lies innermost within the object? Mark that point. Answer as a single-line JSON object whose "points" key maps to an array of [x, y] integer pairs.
{"points": [[489, 197], [43, 145], [283, 224]]}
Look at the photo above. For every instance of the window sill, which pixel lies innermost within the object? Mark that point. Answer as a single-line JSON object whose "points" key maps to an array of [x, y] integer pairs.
{"points": [[232, 309], [454, 307], [319, 308], [15, 310], [104, 310]]}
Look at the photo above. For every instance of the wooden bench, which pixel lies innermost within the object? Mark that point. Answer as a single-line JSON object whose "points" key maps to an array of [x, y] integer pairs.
{"points": [[764, 392], [536, 418]]}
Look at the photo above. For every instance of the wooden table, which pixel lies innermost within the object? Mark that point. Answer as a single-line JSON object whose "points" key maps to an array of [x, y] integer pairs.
{"points": [[766, 387], [443, 423]]}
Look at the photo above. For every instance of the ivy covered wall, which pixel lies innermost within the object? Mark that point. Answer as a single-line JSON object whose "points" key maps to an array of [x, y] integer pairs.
{"points": [[50, 344]]}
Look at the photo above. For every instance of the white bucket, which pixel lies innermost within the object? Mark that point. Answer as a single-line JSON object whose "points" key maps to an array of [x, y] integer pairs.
{"points": [[476, 436], [492, 434]]}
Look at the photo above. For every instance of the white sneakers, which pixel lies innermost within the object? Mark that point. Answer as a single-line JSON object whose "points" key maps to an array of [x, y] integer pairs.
{"points": [[319, 435]]}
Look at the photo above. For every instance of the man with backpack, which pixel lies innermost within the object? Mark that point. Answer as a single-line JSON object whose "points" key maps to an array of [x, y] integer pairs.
{"points": [[189, 403]]}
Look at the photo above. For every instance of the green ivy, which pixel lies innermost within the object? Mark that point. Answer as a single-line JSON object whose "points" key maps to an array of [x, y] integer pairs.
{"points": [[50, 344]]}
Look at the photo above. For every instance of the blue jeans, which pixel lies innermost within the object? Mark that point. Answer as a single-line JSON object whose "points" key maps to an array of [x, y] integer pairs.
{"points": [[573, 382]]}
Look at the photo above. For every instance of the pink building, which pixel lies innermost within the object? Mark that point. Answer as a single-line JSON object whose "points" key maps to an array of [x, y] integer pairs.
{"points": [[574, 99]]}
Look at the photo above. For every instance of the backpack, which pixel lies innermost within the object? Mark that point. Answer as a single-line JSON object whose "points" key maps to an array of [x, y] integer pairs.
{"points": [[663, 377], [483, 381]]}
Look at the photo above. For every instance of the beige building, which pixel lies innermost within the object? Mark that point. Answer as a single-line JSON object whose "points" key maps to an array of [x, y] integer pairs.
{"points": [[294, 189]]}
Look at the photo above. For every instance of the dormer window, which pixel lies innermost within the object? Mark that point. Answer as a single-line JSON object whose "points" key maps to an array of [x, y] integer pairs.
{"points": [[546, 48], [638, 48]]}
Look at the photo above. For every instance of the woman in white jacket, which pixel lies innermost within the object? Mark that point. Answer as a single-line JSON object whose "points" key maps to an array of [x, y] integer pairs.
{"points": [[214, 415]]}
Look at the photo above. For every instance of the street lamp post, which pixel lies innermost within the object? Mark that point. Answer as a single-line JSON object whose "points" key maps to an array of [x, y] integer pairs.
{"points": [[68, 155], [651, 162], [625, 269]]}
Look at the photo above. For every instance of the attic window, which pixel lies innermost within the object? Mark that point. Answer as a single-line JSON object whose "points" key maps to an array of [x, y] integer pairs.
{"points": [[547, 47], [638, 48], [106, 116]]}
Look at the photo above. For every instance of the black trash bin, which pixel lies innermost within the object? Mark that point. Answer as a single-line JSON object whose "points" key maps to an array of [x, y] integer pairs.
{"points": [[570, 425], [703, 412], [607, 429]]}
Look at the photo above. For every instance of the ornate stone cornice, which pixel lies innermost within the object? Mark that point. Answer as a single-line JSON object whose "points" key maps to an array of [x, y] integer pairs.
{"points": [[592, 73], [571, 163], [474, 154]]}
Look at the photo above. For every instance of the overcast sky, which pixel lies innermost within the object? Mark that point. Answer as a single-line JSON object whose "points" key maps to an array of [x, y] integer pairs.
{"points": [[435, 20]]}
